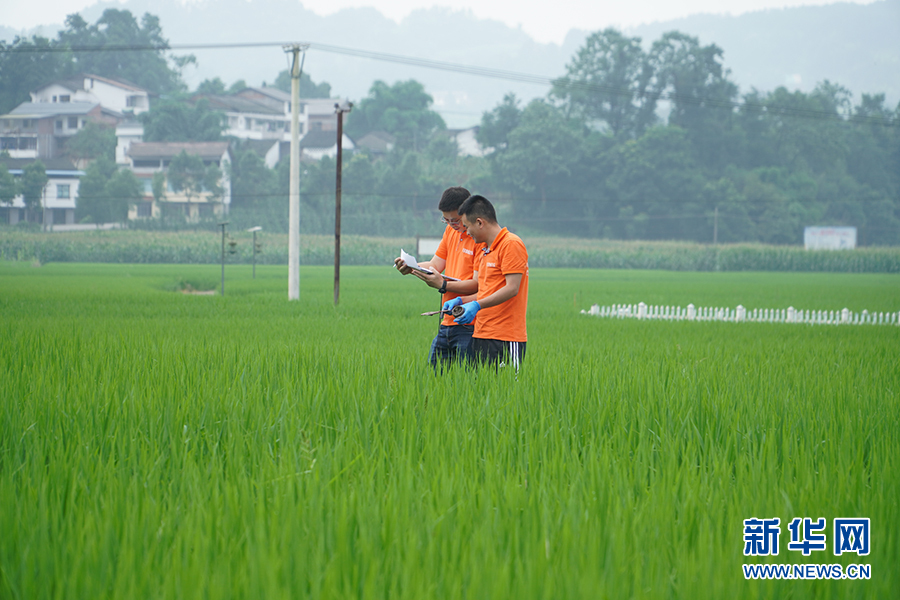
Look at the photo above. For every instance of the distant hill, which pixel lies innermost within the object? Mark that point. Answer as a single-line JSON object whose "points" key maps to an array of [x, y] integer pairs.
{"points": [[854, 45]]}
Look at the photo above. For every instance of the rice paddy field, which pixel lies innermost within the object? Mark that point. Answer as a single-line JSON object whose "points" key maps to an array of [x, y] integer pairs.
{"points": [[155, 444]]}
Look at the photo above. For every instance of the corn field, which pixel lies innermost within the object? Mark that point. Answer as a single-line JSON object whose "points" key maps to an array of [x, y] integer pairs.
{"points": [[205, 247]]}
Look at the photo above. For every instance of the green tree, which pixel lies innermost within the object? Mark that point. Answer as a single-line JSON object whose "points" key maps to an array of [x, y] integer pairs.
{"points": [[9, 187], [188, 174], [871, 143], [253, 184], [399, 181], [106, 193], [211, 87], [123, 190], [27, 64], [359, 177], [92, 141], [93, 203], [497, 124], [403, 110], [803, 132], [700, 92], [237, 86], [34, 180], [317, 182], [608, 82], [158, 186], [442, 148], [115, 29], [176, 120], [657, 187], [780, 201], [308, 89], [732, 221], [540, 154]]}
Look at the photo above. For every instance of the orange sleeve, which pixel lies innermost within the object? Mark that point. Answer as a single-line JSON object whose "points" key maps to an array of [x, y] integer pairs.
{"points": [[515, 258], [441, 251]]}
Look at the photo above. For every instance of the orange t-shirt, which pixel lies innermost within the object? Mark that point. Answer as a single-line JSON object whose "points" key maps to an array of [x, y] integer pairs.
{"points": [[505, 321], [460, 252]]}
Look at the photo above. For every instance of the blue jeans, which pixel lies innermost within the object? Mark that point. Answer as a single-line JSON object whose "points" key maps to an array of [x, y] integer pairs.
{"points": [[451, 344]]}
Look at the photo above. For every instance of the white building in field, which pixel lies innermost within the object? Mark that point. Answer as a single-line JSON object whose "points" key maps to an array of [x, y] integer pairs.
{"points": [[58, 198], [829, 238]]}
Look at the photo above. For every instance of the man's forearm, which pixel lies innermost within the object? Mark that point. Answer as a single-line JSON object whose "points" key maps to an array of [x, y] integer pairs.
{"points": [[463, 288], [500, 296]]}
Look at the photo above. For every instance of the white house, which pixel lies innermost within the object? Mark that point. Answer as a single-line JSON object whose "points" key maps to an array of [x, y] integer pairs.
{"points": [[467, 142], [148, 158], [113, 94], [270, 151], [250, 120], [377, 142], [127, 133], [320, 113], [316, 145], [315, 114], [58, 199], [269, 96]]}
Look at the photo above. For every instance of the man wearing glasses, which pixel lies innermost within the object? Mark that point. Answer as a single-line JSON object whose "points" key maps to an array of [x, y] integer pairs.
{"points": [[455, 257]]}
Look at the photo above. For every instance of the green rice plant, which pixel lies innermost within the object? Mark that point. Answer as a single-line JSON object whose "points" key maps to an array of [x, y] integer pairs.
{"points": [[154, 444]]}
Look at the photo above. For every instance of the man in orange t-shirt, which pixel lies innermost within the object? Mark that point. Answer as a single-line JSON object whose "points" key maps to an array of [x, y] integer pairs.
{"points": [[455, 257], [501, 302]]}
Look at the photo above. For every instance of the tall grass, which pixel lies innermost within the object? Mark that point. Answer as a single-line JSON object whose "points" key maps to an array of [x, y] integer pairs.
{"points": [[159, 445]]}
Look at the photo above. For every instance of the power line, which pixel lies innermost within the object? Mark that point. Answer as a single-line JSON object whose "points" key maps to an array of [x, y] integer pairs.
{"points": [[555, 201], [478, 71]]}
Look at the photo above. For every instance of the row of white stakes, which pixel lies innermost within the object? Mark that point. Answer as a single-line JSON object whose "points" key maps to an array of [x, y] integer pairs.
{"points": [[741, 314]]}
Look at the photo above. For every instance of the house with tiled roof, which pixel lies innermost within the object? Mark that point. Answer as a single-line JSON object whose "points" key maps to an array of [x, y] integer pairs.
{"points": [[146, 159], [248, 119], [376, 142], [316, 145], [40, 129], [270, 96], [315, 114]]}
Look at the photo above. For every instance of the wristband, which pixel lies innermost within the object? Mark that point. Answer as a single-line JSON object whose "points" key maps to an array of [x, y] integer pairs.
{"points": [[443, 289]]}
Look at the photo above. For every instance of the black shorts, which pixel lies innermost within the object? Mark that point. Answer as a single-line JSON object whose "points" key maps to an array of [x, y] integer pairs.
{"points": [[496, 353]]}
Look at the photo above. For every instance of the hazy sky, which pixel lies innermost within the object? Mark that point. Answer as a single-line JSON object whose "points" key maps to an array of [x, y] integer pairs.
{"points": [[544, 21]]}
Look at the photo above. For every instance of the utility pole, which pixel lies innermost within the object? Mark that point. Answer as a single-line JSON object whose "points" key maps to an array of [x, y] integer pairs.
{"points": [[294, 211], [255, 247], [222, 225], [340, 109], [716, 226]]}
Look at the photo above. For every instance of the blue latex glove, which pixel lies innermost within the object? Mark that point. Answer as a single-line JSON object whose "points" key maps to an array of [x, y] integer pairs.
{"points": [[449, 304], [467, 317]]}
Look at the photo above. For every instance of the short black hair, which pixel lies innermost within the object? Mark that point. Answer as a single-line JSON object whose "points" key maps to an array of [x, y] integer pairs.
{"points": [[452, 198], [478, 207]]}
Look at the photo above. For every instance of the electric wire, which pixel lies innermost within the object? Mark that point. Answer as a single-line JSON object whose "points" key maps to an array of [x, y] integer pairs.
{"points": [[479, 71]]}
